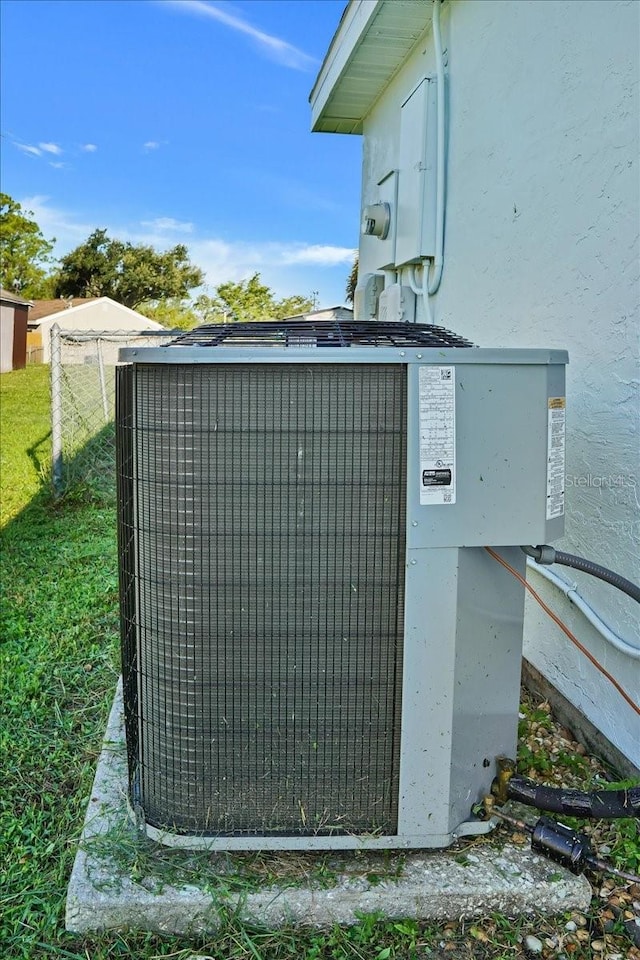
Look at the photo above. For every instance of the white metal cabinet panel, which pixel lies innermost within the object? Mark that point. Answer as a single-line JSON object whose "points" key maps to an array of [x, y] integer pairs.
{"points": [[415, 222]]}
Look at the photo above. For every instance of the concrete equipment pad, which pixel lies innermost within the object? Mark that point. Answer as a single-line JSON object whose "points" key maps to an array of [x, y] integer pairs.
{"points": [[122, 881]]}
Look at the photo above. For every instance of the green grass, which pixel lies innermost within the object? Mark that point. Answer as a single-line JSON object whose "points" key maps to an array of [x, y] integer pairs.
{"points": [[25, 451], [59, 662]]}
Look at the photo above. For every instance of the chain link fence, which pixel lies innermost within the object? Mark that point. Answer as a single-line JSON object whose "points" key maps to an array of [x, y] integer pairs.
{"points": [[83, 403]]}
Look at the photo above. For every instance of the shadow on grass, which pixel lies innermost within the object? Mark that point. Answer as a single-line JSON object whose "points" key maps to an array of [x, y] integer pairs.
{"points": [[41, 459], [90, 472]]}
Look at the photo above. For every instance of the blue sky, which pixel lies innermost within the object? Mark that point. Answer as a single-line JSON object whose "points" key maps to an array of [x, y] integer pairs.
{"points": [[182, 121]]}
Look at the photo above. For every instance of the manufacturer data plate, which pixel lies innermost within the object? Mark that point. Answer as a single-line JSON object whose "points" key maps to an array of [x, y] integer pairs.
{"points": [[437, 389], [555, 456]]}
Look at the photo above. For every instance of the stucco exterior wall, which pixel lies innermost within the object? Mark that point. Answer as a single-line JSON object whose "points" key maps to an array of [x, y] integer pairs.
{"points": [[542, 250]]}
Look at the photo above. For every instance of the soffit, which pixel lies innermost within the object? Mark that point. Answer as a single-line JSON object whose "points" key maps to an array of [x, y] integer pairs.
{"points": [[372, 42]]}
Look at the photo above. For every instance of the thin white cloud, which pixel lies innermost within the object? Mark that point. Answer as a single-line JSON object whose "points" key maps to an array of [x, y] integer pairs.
{"points": [[235, 261], [51, 148], [57, 165], [28, 148], [89, 147], [321, 255], [168, 225], [54, 222], [275, 47]]}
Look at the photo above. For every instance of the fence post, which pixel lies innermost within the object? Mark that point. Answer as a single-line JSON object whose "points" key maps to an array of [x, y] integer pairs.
{"points": [[56, 411], [103, 382]]}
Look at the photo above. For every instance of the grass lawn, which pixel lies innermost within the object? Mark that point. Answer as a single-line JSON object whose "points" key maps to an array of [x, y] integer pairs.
{"points": [[58, 670]]}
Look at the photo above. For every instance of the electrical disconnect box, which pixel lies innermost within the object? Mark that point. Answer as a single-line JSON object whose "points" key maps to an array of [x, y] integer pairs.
{"points": [[397, 303], [367, 293], [416, 208]]}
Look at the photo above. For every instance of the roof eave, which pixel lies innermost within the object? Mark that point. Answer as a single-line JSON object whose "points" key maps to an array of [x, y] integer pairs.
{"points": [[352, 28], [348, 83]]}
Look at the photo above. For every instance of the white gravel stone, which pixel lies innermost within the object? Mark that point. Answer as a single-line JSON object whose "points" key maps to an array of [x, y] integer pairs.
{"points": [[532, 944]]}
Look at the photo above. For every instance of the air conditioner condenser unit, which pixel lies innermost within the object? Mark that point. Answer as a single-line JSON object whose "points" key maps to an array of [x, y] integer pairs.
{"points": [[317, 651]]}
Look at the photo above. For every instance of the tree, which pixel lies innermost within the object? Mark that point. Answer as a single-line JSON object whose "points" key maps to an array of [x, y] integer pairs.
{"points": [[102, 267], [173, 314], [248, 300], [24, 252], [352, 281]]}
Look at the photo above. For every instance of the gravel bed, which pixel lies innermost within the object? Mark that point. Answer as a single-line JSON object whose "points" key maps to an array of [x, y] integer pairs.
{"points": [[548, 753]]}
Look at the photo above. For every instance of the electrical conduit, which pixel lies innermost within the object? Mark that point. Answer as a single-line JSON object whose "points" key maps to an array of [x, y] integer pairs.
{"points": [[431, 285], [570, 591]]}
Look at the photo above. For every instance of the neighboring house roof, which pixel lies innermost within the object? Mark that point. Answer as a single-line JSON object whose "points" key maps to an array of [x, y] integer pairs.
{"points": [[52, 308], [329, 313], [46, 308], [7, 297], [373, 40]]}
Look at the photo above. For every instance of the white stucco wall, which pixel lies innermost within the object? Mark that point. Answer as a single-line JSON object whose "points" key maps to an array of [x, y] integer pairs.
{"points": [[542, 250]]}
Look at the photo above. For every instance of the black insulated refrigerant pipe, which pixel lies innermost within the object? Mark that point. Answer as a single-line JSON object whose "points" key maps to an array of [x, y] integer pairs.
{"points": [[545, 554], [598, 805]]}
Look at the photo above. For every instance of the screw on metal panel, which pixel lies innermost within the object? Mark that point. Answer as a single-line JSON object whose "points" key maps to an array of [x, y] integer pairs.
{"points": [[413, 563], [414, 523], [419, 356], [402, 353]]}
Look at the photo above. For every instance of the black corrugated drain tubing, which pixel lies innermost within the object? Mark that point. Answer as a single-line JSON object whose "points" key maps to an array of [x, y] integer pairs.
{"points": [[598, 805]]}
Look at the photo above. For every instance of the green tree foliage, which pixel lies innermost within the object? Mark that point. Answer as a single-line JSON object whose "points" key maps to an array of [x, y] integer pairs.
{"points": [[352, 281], [248, 300], [174, 314], [24, 252], [131, 274]]}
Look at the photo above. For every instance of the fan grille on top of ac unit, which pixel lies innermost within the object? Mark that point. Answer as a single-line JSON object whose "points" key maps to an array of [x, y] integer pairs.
{"points": [[320, 333]]}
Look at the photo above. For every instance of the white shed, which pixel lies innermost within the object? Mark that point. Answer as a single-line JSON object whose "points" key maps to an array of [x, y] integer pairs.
{"points": [[541, 210], [101, 313]]}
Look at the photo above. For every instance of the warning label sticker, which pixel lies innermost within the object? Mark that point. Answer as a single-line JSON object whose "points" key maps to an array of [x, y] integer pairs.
{"points": [[555, 456], [437, 389]]}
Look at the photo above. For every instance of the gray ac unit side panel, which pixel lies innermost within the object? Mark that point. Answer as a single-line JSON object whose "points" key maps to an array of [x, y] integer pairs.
{"points": [[463, 648], [501, 444], [431, 589], [488, 659]]}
